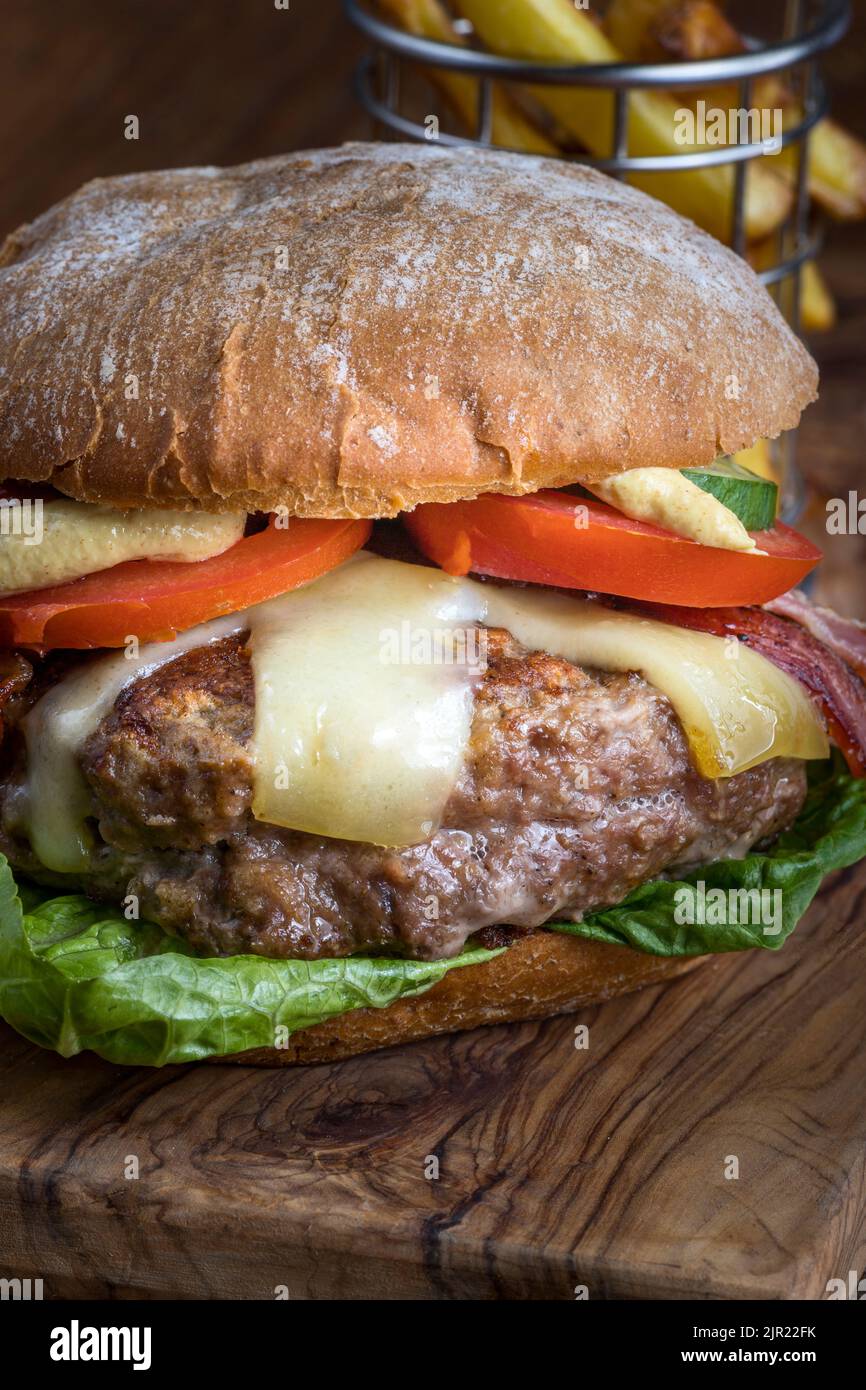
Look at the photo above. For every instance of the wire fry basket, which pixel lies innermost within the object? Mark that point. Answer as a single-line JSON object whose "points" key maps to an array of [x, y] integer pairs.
{"points": [[384, 76]]}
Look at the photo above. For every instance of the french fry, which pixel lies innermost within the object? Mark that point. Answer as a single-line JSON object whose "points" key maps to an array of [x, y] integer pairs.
{"points": [[554, 31], [654, 30], [817, 305], [660, 31], [629, 24], [837, 167], [509, 126], [692, 30], [697, 27]]}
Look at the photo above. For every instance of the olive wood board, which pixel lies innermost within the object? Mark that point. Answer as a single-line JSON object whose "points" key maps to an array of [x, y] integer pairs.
{"points": [[559, 1166]]}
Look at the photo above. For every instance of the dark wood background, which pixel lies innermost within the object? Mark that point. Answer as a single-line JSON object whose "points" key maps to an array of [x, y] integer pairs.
{"points": [[558, 1167], [221, 81]]}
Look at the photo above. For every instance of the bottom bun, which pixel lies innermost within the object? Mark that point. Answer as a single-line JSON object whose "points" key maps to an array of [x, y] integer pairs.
{"points": [[537, 976]]}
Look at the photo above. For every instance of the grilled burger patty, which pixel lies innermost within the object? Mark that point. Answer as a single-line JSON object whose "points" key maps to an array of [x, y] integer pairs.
{"points": [[576, 788]]}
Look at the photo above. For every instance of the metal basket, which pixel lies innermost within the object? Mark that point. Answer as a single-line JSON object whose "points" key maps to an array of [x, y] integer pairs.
{"points": [[808, 29]]}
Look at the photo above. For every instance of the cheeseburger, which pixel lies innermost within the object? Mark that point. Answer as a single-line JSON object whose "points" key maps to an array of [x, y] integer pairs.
{"points": [[391, 641]]}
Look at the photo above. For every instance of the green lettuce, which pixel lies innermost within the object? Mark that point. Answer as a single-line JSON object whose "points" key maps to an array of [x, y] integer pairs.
{"points": [[830, 833], [75, 975]]}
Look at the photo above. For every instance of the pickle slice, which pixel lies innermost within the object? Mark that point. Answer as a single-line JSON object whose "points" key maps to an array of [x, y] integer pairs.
{"points": [[751, 498]]}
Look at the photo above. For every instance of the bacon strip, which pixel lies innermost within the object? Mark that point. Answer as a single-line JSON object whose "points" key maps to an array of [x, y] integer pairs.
{"points": [[844, 636], [839, 693]]}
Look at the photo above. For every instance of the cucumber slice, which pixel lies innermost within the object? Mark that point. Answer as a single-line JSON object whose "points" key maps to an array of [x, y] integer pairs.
{"points": [[754, 500]]}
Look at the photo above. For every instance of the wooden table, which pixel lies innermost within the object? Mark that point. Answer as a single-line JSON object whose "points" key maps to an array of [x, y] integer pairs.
{"points": [[557, 1167]]}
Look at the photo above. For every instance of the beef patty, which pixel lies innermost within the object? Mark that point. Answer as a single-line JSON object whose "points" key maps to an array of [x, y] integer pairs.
{"points": [[576, 788]]}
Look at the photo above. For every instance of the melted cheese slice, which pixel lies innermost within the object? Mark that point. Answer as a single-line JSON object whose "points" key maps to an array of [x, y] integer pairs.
{"points": [[77, 538], [352, 744], [737, 709], [56, 802], [364, 693]]}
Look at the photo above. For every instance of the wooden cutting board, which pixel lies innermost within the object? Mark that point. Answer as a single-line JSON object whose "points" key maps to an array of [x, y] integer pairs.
{"points": [[557, 1166]]}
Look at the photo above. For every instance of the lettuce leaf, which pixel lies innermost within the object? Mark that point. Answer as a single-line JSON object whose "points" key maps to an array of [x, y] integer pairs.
{"points": [[830, 833], [75, 975]]}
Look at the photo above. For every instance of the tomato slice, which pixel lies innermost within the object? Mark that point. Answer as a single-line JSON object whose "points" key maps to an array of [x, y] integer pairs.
{"points": [[156, 599], [578, 543]]}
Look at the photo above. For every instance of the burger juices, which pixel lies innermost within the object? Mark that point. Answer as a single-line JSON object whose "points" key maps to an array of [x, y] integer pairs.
{"points": [[391, 643]]}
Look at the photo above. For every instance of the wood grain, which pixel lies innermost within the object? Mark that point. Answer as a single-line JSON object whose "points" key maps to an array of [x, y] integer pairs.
{"points": [[558, 1166]]}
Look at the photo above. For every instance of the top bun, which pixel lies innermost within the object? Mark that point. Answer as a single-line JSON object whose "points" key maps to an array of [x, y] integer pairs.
{"points": [[349, 332]]}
